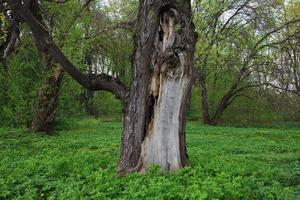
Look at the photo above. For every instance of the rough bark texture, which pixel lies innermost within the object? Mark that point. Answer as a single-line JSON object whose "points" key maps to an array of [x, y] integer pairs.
{"points": [[155, 107], [135, 111], [47, 102], [161, 88]]}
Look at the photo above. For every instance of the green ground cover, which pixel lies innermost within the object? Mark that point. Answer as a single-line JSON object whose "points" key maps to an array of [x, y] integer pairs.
{"points": [[79, 163]]}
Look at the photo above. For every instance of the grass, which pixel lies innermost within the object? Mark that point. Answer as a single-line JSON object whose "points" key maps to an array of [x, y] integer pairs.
{"points": [[80, 162]]}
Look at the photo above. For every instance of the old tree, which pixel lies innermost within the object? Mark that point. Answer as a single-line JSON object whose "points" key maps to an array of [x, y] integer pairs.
{"points": [[156, 102]]}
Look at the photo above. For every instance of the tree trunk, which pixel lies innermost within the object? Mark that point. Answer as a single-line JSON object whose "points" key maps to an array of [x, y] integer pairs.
{"points": [[88, 96], [204, 101], [12, 38], [220, 110], [47, 101], [154, 120], [88, 101]]}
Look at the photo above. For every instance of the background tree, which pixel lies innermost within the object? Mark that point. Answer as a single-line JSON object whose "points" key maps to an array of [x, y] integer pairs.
{"points": [[235, 38], [47, 101]]}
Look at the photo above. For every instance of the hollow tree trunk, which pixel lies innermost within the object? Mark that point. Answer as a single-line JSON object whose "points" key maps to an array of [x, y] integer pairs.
{"points": [[154, 119]]}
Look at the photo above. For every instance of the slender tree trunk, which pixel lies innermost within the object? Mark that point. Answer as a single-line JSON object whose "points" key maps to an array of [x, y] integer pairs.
{"points": [[204, 101], [12, 38], [88, 96], [206, 119], [220, 109], [154, 120], [88, 101]]}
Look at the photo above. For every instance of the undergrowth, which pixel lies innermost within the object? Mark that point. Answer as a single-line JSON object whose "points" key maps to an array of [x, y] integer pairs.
{"points": [[79, 162]]}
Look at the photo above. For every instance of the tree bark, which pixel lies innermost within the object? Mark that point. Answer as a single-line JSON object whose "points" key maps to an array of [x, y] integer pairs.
{"points": [[204, 101], [47, 101], [155, 108], [44, 116], [163, 75]]}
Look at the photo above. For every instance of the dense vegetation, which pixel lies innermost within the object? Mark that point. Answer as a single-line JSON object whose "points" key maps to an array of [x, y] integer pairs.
{"points": [[259, 41], [79, 163], [60, 137]]}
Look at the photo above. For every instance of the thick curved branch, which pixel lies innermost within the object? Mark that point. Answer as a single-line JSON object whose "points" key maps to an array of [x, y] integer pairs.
{"points": [[44, 40], [90, 82]]}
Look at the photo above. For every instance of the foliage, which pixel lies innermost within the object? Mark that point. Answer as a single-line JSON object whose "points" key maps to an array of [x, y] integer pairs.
{"points": [[19, 80], [3, 27], [80, 163], [107, 105], [91, 32], [243, 45], [69, 100]]}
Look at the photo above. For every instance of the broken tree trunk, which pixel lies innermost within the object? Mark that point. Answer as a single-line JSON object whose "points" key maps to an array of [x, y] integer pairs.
{"points": [[161, 89]]}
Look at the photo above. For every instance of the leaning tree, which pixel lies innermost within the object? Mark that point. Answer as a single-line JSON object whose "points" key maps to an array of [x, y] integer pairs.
{"points": [[156, 102]]}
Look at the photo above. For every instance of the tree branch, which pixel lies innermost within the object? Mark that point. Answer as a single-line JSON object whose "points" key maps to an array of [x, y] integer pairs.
{"points": [[12, 39], [276, 30], [90, 82], [289, 37], [237, 12], [129, 26]]}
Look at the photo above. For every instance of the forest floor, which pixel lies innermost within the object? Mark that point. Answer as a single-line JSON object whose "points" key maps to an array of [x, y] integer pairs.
{"points": [[79, 162]]}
